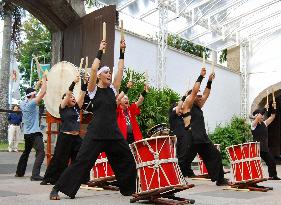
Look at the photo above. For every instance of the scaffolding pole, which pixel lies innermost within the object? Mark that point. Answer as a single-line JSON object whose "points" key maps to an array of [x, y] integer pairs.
{"points": [[244, 48], [162, 44]]}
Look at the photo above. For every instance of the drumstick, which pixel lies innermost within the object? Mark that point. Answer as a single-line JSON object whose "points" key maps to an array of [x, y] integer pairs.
{"points": [[37, 65], [204, 60], [146, 77], [86, 66], [213, 67], [131, 76], [273, 96], [80, 67], [112, 75], [122, 35], [104, 33], [267, 100]]}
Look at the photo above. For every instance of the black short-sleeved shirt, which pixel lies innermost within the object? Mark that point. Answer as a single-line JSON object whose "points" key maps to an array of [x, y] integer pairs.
{"points": [[103, 125], [198, 130], [70, 118], [260, 134], [176, 124]]}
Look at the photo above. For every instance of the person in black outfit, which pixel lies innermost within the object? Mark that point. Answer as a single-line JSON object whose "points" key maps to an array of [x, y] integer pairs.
{"points": [[103, 135], [201, 143], [68, 141], [179, 119], [260, 134]]}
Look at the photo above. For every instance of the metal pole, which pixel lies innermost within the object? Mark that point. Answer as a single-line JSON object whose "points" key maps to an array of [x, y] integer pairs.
{"points": [[244, 75]]}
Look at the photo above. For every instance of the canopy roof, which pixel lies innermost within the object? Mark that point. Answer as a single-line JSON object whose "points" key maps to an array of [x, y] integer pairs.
{"points": [[216, 24]]}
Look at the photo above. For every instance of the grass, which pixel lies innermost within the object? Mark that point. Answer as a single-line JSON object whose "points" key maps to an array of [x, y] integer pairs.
{"points": [[4, 146]]}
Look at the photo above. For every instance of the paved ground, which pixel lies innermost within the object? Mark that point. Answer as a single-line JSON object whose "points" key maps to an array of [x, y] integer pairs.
{"points": [[17, 191]]}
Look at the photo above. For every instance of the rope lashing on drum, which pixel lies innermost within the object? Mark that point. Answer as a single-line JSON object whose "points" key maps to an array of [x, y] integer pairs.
{"points": [[156, 163]]}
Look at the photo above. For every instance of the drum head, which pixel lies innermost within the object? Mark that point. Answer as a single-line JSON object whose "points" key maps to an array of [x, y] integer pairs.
{"points": [[158, 130], [60, 77]]}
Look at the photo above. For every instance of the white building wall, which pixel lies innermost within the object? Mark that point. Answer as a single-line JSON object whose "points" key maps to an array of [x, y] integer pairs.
{"points": [[264, 66], [224, 101]]}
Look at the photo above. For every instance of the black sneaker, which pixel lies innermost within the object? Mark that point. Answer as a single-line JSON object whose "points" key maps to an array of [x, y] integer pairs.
{"points": [[54, 195], [274, 178], [223, 182], [44, 182], [36, 178]]}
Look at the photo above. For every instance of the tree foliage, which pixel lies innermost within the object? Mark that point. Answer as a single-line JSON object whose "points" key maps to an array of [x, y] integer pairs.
{"points": [[154, 109], [236, 132], [17, 14], [36, 40], [187, 46]]}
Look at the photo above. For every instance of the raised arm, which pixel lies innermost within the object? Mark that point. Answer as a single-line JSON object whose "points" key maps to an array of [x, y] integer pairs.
{"points": [[81, 97], [257, 120], [119, 75], [207, 90], [142, 96], [43, 90], [68, 94], [187, 104], [96, 64], [272, 116]]}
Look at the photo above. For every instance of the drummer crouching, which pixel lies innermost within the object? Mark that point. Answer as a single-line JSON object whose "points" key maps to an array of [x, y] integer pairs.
{"points": [[126, 114], [68, 141], [260, 133]]}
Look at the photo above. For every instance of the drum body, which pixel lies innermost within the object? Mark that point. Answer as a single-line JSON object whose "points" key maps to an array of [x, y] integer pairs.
{"points": [[202, 166], [157, 165], [245, 161], [102, 168], [60, 78]]}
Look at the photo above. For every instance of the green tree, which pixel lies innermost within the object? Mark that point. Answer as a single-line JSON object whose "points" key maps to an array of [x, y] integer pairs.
{"points": [[236, 132], [154, 109], [37, 41]]}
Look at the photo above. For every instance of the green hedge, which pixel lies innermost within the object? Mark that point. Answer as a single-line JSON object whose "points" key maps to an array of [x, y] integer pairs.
{"points": [[237, 131]]}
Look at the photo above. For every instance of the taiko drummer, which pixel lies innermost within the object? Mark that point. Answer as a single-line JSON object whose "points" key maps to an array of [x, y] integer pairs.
{"points": [[103, 134], [260, 133]]}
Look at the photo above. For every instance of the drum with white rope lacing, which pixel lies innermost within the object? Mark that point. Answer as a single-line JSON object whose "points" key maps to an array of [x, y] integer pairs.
{"points": [[102, 168], [156, 162], [245, 162]]}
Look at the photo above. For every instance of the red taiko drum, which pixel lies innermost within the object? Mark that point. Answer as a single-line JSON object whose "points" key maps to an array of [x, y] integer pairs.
{"points": [[245, 161], [157, 165], [102, 168]]}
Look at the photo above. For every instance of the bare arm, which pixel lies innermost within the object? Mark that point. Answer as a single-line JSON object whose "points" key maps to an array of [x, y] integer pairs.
{"points": [[119, 97], [93, 76], [69, 93], [119, 75], [43, 90], [142, 96], [272, 116], [257, 120], [190, 99], [80, 99], [207, 90]]}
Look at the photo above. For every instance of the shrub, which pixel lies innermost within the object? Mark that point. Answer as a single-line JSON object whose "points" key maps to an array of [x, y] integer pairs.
{"points": [[236, 132], [154, 109]]}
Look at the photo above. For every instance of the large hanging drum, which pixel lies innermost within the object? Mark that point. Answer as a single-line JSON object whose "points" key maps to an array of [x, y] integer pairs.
{"points": [[60, 77]]}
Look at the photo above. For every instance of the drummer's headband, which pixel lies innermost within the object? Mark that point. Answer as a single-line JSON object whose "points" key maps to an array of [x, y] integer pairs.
{"points": [[29, 94], [103, 69]]}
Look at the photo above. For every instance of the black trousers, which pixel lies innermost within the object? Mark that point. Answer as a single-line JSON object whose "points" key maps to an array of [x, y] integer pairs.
{"points": [[270, 162], [34, 140], [211, 157], [119, 157], [67, 147], [183, 146]]}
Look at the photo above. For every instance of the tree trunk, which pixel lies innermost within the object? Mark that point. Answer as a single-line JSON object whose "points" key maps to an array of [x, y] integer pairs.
{"points": [[5, 74]]}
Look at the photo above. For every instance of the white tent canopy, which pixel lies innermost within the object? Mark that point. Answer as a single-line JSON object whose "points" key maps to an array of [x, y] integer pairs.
{"points": [[216, 24]]}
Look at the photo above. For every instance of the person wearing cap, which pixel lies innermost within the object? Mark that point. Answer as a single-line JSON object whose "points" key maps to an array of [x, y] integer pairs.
{"points": [[259, 129], [14, 131], [179, 120], [201, 143], [103, 134], [68, 141], [33, 137], [126, 114]]}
